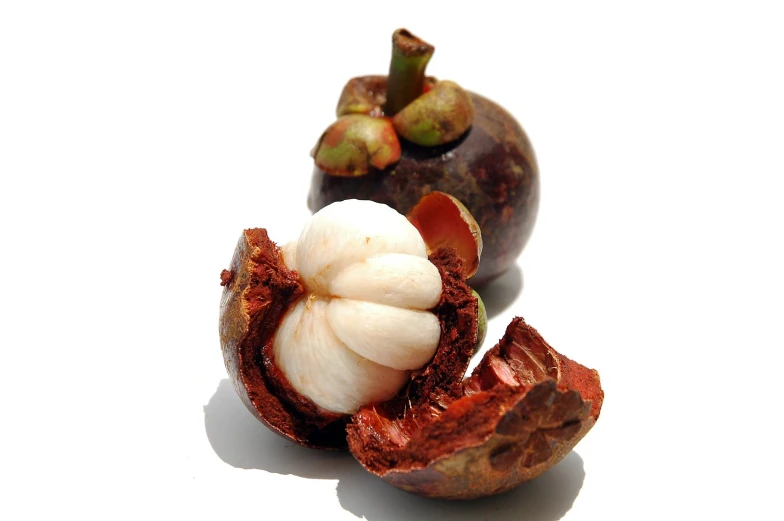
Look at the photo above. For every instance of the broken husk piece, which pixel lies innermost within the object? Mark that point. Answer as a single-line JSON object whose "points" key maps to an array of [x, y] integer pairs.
{"points": [[422, 428], [521, 411], [443, 220]]}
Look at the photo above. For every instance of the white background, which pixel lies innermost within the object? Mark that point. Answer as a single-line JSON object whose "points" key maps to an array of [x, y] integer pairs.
{"points": [[137, 139]]}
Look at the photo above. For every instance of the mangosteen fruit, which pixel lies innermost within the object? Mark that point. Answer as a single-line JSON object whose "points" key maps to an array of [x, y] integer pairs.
{"points": [[401, 136], [358, 335]]}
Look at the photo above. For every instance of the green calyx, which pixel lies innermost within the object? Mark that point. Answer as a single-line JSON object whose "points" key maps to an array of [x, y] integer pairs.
{"points": [[439, 116], [374, 110], [355, 143], [481, 330], [363, 95]]}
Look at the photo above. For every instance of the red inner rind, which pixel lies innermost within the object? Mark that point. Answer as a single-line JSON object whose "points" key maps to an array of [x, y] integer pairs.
{"points": [[436, 388], [441, 223], [539, 402], [521, 357], [522, 340], [457, 312], [271, 290], [583, 380], [515, 373]]}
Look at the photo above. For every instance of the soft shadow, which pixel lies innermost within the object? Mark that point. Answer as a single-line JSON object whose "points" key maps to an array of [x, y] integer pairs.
{"points": [[547, 498], [243, 442], [499, 294]]}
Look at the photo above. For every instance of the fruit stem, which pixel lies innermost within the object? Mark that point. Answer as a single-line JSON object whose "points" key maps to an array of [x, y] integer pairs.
{"points": [[406, 81]]}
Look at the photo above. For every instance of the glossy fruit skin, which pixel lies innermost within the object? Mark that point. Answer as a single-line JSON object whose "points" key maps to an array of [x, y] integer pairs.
{"points": [[492, 170]]}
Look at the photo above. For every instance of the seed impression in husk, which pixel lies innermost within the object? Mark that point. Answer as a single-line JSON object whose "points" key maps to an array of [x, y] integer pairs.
{"points": [[359, 333], [401, 136]]}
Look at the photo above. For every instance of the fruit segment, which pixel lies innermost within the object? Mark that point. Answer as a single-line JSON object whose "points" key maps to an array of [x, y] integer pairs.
{"points": [[319, 366], [394, 337], [364, 321], [394, 279], [343, 234]]}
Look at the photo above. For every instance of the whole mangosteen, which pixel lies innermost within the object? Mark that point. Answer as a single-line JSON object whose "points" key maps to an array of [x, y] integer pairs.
{"points": [[401, 136]]}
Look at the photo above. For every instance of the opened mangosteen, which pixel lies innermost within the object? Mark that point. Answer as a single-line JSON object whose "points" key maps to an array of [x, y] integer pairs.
{"points": [[358, 334], [400, 136]]}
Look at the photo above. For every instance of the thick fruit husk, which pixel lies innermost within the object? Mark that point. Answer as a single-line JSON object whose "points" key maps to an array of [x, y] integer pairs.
{"points": [[259, 289], [522, 410], [492, 169], [442, 220]]}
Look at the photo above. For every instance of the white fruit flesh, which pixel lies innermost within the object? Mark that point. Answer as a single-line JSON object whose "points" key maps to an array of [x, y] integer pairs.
{"points": [[347, 232], [316, 361], [394, 279], [394, 337], [363, 324]]}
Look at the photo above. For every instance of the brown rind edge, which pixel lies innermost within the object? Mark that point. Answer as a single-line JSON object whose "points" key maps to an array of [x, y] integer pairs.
{"points": [[259, 288], [524, 408]]}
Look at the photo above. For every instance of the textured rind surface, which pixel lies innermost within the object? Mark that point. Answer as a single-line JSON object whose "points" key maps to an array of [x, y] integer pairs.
{"points": [[521, 411], [527, 406], [259, 289], [257, 295], [492, 169]]}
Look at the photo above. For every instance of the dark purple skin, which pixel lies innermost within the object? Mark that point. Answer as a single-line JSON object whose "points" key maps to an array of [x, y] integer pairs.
{"points": [[491, 169]]}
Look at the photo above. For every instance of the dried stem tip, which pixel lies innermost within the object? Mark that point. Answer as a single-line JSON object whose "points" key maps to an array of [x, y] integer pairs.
{"points": [[410, 56]]}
